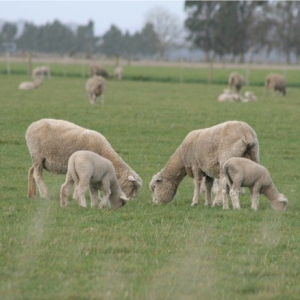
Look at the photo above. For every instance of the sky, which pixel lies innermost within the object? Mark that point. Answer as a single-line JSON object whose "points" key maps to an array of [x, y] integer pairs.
{"points": [[126, 15]]}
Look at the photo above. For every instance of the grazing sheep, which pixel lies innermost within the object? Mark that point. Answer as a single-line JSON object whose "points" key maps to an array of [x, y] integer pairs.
{"points": [[41, 72], [29, 85], [51, 142], [275, 82], [99, 71], [95, 87], [118, 73], [91, 171], [241, 172], [236, 81], [202, 153]]}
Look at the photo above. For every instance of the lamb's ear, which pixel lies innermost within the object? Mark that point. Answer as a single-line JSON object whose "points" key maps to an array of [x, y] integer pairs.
{"points": [[283, 198], [158, 178], [131, 178], [123, 197]]}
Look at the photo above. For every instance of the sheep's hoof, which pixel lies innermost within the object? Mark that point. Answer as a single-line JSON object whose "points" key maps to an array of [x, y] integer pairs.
{"points": [[194, 204]]}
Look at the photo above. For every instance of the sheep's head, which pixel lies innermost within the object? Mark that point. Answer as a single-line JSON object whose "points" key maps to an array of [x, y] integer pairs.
{"points": [[280, 203], [118, 201], [163, 190], [131, 186]]}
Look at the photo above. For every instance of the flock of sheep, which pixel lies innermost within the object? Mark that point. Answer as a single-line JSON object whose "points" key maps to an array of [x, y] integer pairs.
{"points": [[274, 82], [228, 151]]}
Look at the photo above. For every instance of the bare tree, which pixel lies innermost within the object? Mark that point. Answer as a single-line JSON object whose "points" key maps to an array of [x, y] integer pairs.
{"points": [[166, 26]]}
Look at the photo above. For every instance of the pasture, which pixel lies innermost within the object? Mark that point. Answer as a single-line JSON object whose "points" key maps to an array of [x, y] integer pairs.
{"points": [[144, 250]]}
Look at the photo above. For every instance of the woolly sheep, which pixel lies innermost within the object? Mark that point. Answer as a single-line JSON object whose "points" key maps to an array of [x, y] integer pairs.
{"points": [[236, 81], [95, 87], [41, 72], [241, 172], [275, 82], [91, 171], [201, 153], [118, 73], [99, 71], [51, 142], [29, 85], [249, 97], [229, 96]]}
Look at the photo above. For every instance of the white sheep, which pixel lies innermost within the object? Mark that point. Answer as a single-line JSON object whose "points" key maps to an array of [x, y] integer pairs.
{"points": [[202, 153], [95, 87], [99, 71], [275, 82], [41, 72], [236, 81], [30, 85], [91, 171], [249, 97], [51, 142], [229, 96], [118, 73], [240, 172]]}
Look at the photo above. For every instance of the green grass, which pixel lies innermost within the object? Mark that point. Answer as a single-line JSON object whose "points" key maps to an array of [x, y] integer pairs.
{"points": [[147, 251]]}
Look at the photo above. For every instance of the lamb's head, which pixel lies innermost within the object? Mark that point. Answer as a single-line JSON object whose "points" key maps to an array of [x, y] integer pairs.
{"points": [[118, 200], [280, 203], [131, 186], [163, 189]]}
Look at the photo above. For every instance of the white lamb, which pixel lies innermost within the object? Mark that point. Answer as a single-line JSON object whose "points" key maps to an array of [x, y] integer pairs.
{"points": [[229, 96], [29, 85], [51, 142], [91, 171], [118, 73], [202, 153], [95, 87], [249, 97], [241, 172], [41, 72]]}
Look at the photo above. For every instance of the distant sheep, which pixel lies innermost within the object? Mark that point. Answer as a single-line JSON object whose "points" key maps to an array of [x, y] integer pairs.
{"points": [[275, 82], [202, 153], [29, 85], [95, 87], [91, 171], [229, 96], [118, 73], [51, 142], [41, 72], [240, 172], [236, 81], [99, 71], [249, 97]]}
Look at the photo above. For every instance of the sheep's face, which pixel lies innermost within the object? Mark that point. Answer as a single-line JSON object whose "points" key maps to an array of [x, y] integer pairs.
{"points": [[131, 187], [118, 201], [163, 190], [280, 203]]}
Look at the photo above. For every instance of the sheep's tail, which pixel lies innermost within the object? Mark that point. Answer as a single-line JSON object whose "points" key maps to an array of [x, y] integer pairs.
{"points": [[252, 149], [72, 170], [31, 183]]}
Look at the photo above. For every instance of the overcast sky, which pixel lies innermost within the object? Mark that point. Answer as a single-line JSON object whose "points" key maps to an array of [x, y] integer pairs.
{"points": [[127, 15]]}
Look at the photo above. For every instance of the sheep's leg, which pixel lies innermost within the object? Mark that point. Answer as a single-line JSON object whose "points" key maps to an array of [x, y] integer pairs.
{"points": [[65, 190], [208, 187], [106, 190], [234, 194], [31, 184], [254, 198], [219, 196], [37, 175], [94, 196], [197, 182], [80, 191]]}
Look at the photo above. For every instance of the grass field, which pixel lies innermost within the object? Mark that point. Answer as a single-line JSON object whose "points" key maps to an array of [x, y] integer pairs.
{"points": [[147, 251]]}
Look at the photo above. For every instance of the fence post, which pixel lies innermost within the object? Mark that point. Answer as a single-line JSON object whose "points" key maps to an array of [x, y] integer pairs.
{"points": [[8, 63], [29, 63]]}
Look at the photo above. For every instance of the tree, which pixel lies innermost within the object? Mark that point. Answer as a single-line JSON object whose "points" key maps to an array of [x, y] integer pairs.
{"points": [[166, 28], [111, 44], [85, 39], [7, 36]]}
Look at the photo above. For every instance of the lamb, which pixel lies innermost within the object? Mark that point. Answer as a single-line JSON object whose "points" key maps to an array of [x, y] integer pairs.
{"points": [[236, 81], [30, 85], [275, 82], [241, 172], [202, 153], [99, 71], [229, 96], [118, 73], [41, 72], [91, 171], [95, 87], [51, 142], [249, 97]]}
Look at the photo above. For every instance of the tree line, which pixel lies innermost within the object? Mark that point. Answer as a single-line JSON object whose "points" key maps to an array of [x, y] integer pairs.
{"points": [[223, 29]]}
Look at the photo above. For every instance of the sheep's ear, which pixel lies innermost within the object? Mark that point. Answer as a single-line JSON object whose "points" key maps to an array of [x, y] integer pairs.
{"points": [[283, 198], [131, 178], [123, 197], [158, 178]]}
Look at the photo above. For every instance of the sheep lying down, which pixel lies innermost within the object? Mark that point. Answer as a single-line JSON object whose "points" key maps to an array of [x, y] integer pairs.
{"points": [[89, 170], [240, 172]]}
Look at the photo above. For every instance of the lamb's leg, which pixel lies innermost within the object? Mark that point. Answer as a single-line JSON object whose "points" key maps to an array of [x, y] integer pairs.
{"points": [[65, 190], [106, 190], [234, 194], [254, 198], [208, 187], [80, 191], [31, 184], [94, 196], [197, 182], [219, 196], [37, 175]]}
